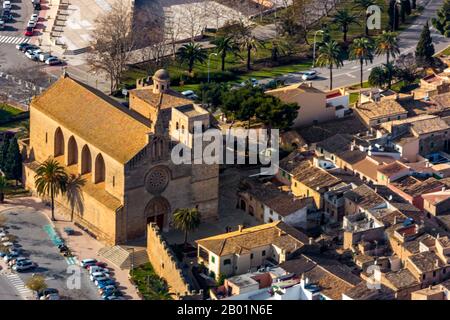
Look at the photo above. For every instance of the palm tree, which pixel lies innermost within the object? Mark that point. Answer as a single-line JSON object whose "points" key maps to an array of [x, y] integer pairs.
{"points": [[225, 45], [345, 19], [191, 53], [330, 55], [51, 180], [387, 44], [389, 70], [279, 46], [362, 50], [378, 77], [186, 220], [250, 44], [3, 187], [74, 194]]}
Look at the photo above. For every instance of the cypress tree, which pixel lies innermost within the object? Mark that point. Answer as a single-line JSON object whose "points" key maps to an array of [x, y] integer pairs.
{"points": [[407, 6], [442, 21], [425, 48], [413, 4], [394, 15], [3, 153], [403, 12], [13, 164]]}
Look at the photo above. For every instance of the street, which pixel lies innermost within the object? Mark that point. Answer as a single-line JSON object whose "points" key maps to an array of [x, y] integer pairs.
{"points": [[34, 235], [349, 73]]}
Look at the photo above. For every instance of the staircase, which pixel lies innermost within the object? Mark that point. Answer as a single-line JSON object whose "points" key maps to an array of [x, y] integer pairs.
{"points": [[122, 256]]}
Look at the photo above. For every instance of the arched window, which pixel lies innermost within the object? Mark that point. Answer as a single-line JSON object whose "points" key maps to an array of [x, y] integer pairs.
{"points": [[177, 126], [99, 169], [72, 151], [182, 129], [86, 160], [59, 143]]}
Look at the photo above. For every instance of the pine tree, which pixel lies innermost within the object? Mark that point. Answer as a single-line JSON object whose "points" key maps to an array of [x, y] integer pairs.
{"points": [[3, 153], [13, 163], [425, 48]]}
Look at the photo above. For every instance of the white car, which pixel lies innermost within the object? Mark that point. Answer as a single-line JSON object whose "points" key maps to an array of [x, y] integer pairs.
{"points": [[87, 262], [3, 234], [7, 244], [6, 4], [98, 269], [31, 24], [98, 276], [34, 17], [190, 94], [309, 75], [30, 55], [43, 56]]}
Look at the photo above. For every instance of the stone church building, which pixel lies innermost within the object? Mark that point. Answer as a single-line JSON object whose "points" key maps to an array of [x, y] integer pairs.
{"points": [[123, 154]]}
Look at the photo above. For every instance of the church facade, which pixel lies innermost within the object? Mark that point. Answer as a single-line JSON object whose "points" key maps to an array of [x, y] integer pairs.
{"points": [[122, 154]]}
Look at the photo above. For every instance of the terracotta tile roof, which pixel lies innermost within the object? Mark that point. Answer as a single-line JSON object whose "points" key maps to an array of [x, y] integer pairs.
{"points": [[364, 197], [336, 144], [376, 110], [442, 101], [392, 168], [291, 161], [415, 187], [426, 261], [166, 100], [437, 197], [313, 177], [238, 242], [428, 126], [293, 92], [401, 279], [95, 117]]}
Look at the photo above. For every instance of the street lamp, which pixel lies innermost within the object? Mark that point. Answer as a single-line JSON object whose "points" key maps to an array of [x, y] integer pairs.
{"points": [[314, 50], [209, 60]]}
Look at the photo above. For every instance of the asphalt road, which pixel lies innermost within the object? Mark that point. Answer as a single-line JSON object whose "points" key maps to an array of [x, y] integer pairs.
{"points": [[349, 74], [31, 228], [7, 291]]}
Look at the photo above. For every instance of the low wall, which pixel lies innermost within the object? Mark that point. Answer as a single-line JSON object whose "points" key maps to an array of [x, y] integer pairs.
{"points": [[165, 263]]}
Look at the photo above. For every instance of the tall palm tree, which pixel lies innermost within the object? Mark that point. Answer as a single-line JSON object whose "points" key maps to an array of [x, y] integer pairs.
{"points": [[186, 220], [387, 43], [191, 53], [250, 44], [51, 180], [344, 18], [389, 70], [330, 56], [225, 45], [362, 50], [3, 187], [74, 194]]}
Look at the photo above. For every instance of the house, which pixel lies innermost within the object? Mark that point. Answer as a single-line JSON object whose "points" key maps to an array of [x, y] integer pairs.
{"points": [[391, 172], [312, 102], [377, 95], [374, 113], [334, 200], [268, 203], [311, 181], [428, 268], [412, 189], [433, 84], [437, 203], [437, 292], [363, 199], [237, 252]]}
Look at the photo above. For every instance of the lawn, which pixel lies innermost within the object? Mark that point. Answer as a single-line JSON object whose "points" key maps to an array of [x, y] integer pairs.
{"points": [[150, 285], [446, 51], [7, 111], [12, 125]]}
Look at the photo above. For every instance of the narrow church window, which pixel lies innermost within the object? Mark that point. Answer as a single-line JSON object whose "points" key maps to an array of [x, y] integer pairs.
{"points": [[46, 137], [114, 181], [177, 126]]}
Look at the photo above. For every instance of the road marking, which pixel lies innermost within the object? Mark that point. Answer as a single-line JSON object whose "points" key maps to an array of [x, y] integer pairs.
{"points": [[19, 285], [13, 40], [350, 75]]}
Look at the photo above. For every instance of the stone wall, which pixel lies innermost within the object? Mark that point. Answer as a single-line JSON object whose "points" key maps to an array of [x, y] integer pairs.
{"points": [[166, 265]]}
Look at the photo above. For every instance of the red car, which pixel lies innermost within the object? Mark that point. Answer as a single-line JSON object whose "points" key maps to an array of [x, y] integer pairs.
{"points": [[28, 32], [101, 264]]}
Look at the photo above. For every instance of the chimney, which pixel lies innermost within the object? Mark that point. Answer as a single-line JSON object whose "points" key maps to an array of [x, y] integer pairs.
{"points": [[436, 263], [395, 220], [240, 227], [443, 189], [311, 240]]}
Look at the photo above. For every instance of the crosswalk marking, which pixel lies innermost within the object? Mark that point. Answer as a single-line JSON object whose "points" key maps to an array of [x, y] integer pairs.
{"points": [[19, 285], [13, 40]]}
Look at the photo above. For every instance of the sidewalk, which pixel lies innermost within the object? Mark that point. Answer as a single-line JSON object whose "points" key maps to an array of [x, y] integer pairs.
{"points": [[81, 244]]}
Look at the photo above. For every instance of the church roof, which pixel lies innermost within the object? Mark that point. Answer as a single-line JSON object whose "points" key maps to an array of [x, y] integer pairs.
{"points": [[167, 100], [93, 116]]}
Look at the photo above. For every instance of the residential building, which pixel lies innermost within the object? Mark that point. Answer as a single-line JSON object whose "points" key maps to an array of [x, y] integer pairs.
{"points": [[375, 113]]}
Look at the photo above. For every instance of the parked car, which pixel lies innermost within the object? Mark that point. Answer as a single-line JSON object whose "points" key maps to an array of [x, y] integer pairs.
{"points": [[7, 16], [101, 264], [53, 61], [2, 24], [31, 24], [87, 262], [25, 46], [18, 260], [104, 283], [189, 94], [107, 288], [34, 17], [94, 269], [26, 265], [30, 55], [98, 276], [6, 4], [47, 291], [117, 294], [309, 75], [7, 244], [252, 81], [10, 256], [29, 31], [3, 234], [53, 296]]}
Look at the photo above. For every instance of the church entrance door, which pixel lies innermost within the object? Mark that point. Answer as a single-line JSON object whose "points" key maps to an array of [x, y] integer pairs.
{"points": [[157, 211]]}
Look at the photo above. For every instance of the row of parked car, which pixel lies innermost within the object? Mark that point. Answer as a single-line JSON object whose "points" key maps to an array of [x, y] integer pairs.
{"points": [[35, 53], [101, 276], [6, 15], [13, 255]]}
